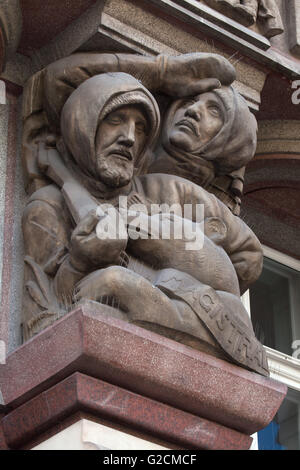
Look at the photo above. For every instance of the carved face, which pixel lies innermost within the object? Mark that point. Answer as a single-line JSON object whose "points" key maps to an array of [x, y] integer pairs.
{"points": [[120, 139], [196, 122]]}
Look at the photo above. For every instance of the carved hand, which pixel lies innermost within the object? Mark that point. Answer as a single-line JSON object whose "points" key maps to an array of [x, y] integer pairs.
{"points": [[195, 73], [93, 245]]}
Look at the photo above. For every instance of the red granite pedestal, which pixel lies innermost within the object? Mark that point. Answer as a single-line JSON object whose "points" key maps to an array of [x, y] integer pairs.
{"points": [[129, 378]]}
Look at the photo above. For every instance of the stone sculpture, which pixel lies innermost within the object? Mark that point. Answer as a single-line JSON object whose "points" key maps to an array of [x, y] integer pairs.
{"points": [[188, 74], [215, 155], [100, 152], [248, 12]]}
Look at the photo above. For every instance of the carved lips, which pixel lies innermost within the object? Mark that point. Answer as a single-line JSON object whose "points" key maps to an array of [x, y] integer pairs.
{"points": [[122, 153], [188, 124]]}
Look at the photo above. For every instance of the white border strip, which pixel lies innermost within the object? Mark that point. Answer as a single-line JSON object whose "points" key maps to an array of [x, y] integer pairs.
{"points": [[284, 368], [2, 352], [281, 258]]}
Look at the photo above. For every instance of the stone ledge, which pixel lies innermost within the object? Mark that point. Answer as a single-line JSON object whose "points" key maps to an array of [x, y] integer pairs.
{"points": [[142, 362], [250, 44], [216, 18], [82, 393]]}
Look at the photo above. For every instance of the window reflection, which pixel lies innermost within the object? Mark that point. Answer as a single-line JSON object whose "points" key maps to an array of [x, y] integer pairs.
{"points": [[275, 313], [284, 432], [275, 305]]}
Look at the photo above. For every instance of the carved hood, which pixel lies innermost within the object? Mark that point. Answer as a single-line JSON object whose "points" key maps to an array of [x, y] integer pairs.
{"points": [[91, 102], [232, 148]]}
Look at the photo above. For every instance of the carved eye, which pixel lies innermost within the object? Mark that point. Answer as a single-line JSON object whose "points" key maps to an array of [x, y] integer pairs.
{"points": [[141, 127], [188, 102], [113, 119], [215, 111]]}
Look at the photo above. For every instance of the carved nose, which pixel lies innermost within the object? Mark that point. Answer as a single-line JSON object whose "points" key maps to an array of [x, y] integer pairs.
{"points": [[127, 141], [193, 112], [127, 137]]}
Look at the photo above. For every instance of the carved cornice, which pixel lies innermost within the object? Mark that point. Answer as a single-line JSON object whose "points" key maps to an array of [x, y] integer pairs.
{"points": [[265, 17], [195, 14], [127, 31], [278, 137]]}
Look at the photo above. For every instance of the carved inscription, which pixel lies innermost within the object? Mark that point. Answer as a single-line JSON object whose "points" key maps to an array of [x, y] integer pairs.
{"points": [[93, 135], [233, 336]]}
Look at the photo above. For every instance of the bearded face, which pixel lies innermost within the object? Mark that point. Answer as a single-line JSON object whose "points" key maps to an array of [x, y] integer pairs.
{"points": [[120, 139], [108, 123]]}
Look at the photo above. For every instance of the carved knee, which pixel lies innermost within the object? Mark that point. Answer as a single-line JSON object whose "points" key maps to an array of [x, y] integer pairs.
{"points": [[113, 278]]}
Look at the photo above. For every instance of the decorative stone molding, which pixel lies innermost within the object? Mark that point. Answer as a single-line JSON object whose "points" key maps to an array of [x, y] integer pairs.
{"points": [[131, 38], [271, 193], [124, 27], [225, 23], [129, 26], [264, 14], [202, 21], [205, 20], [278, 137]]}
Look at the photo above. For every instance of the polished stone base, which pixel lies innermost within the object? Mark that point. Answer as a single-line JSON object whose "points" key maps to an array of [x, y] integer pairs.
{"points": [[132, 380]]}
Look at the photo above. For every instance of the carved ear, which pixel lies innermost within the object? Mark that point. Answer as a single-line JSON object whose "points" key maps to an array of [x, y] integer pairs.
{"points": [[215, 229]]}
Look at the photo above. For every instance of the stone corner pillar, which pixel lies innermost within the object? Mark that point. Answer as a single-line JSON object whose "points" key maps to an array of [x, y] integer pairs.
{"points": [[132, 382]]}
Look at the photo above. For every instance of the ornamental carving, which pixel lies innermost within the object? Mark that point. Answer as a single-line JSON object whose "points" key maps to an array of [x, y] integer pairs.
{"points": [[110, 184], [264, 13]]}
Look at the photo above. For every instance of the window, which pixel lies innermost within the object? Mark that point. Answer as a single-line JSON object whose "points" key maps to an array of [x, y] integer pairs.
{"points": [[275, 305], [275, 313]]}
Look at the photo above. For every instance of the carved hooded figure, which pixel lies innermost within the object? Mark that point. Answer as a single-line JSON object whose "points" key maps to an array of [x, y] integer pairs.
{"points": [[62, 257], [47, 225], [83, 113], [231, 148], [226, 136]]}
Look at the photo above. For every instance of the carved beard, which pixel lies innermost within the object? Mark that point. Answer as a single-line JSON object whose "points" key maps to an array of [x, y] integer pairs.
{"points": [[113, 172]]}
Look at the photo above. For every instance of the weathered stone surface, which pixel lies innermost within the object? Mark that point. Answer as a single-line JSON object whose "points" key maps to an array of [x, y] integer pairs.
{"points": [[248, 12], [278, 137], [43, 22], [142, 362], [149, 417], [151, 27], [106, 130], [266, 194]]}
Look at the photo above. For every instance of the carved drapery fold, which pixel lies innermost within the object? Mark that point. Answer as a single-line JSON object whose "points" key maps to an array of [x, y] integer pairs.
{"points": [[90, 136]]}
